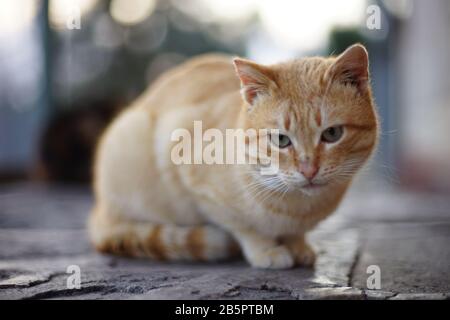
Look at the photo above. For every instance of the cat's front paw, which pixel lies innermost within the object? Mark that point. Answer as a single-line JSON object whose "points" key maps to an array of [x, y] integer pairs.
{"points": [[303, 254], [272, 258]]}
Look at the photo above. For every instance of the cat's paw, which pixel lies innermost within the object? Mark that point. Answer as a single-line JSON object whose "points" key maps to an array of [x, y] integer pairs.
{"points": [[273, 258], [304, 255]]}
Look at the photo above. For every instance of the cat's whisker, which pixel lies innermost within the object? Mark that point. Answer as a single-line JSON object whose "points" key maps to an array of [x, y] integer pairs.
{"points": [[268, 187], [287, 188], [263, 187], [273, 191]]}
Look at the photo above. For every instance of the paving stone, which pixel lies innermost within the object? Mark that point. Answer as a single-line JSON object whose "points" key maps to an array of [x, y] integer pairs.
{"points": [[42, 232], [24, 280], [338, 293], [419, 296], [378, 294], [412, 257]]}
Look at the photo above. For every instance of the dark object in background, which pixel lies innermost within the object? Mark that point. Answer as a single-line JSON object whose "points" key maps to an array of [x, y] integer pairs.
{"points": [[68, 143]]}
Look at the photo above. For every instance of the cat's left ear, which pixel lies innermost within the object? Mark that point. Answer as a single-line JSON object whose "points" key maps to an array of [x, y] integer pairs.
{"points": [[352, 67], [256, 79]]}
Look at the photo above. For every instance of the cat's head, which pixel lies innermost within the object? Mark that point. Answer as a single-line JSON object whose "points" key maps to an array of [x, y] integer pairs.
{"points": [[324, 111]]}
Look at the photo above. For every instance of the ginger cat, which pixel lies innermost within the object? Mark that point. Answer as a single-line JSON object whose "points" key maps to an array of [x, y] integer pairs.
{"points": [[147, 206]]}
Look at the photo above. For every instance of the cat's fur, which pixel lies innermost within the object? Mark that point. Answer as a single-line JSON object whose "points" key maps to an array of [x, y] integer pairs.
{"points": [[148, 206]]}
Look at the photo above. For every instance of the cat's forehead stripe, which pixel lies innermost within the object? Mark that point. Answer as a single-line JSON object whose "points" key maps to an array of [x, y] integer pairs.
{"points": [[287, 123], [318, 116], [287, 118]]}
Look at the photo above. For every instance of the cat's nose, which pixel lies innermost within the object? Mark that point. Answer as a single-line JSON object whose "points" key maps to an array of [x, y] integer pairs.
{"points": [[308, 170]]}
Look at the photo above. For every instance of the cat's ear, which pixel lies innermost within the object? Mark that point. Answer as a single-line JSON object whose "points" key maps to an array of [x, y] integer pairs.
{"points": [[256, 79], [352, 67]]}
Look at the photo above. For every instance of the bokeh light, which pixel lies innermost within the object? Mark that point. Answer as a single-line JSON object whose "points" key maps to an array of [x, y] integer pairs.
{"points": [[303, 24], [16, 15], [62, 11], [130, 12], [230, 10]]}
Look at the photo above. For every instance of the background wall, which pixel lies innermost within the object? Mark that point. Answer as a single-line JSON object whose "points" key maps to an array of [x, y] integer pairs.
{"points": [[60, 84]]}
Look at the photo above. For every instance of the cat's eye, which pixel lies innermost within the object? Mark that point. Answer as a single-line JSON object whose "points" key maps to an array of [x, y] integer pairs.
{"points": [[332, 134], [280, 140]]}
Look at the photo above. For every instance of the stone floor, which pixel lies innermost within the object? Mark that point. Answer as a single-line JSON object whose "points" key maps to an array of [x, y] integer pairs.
{"points": [[42, 233]]}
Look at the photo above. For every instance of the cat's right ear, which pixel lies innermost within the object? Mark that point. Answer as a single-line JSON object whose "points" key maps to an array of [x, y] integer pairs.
{"points": [[352, 67], [256, 79]]}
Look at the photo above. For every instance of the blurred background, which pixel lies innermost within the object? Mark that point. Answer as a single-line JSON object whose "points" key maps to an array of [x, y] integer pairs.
{"points": [[68, 66]]}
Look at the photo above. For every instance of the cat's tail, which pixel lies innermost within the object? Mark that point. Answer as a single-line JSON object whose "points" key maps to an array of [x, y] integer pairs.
{"points": [[161, 241]]}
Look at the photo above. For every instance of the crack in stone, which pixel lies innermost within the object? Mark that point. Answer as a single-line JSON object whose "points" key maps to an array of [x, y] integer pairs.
{"points": [[50, 294], [356, 259], [238, 289]]}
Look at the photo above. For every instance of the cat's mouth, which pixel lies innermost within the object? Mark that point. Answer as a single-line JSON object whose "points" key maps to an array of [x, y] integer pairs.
{"points": [[313, 186]]}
